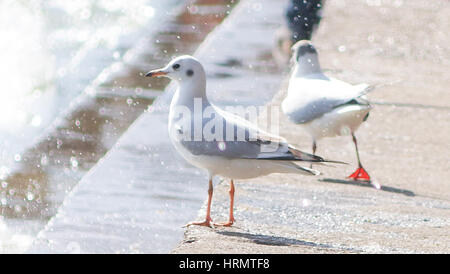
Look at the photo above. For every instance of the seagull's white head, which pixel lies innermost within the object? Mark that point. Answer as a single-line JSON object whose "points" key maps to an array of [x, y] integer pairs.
{"points": [[183, 69], [305, 57]]}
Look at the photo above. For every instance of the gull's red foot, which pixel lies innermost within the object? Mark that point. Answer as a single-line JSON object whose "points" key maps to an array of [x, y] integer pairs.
{"points": [[360, 174]]}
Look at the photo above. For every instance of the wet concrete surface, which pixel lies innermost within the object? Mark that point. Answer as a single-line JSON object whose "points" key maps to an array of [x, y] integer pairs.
{"points": [[147, 191], [142, 168], [38, 183]]}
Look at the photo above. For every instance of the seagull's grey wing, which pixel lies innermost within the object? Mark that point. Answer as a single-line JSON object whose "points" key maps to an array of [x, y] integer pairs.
{"points": [[242, 143], [257, 150], [309, 99]]}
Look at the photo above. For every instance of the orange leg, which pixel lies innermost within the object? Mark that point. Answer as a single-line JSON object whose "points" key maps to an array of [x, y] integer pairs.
{"points": [[231, 217], [360, 173], [208, 219]]}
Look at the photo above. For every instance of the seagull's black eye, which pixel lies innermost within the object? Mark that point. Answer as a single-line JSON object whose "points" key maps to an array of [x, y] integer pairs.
{"points": [[189, 72], [176, 66]]}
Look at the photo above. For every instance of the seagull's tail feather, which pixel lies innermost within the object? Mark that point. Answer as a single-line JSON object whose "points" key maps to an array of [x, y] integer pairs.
{"points": [[303, 156], [366, 88]]}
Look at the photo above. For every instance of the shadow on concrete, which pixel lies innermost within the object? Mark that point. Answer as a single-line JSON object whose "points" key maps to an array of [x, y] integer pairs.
{"points": [[271, 240], [365, 184]]}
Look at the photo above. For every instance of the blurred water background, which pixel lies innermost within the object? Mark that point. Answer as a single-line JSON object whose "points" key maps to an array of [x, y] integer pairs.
{"points": [[51, 51]]}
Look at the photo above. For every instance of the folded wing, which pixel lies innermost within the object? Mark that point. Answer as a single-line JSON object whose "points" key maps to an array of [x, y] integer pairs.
{"points": [[311, 97]]}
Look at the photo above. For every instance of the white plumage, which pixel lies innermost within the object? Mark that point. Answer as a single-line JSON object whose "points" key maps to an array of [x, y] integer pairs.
{"points": [[233, 159], [321, 105]]}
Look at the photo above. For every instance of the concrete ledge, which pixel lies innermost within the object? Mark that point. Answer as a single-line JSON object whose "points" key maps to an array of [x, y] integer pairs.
{"points": [[138, 197]]}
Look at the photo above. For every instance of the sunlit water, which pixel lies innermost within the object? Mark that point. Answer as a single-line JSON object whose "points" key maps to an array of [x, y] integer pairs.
{"points": [[50, 51]]}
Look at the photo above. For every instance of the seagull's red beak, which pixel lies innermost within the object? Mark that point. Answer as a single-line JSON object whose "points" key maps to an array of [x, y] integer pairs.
{"points": [[155, 73]]}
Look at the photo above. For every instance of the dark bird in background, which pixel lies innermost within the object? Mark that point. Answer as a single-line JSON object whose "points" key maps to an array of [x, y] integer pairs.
{"points": [[301, 19]]}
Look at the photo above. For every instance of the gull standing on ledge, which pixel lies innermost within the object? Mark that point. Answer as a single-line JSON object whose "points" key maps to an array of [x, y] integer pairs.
{"points": [[324, 106], [235, 159]]}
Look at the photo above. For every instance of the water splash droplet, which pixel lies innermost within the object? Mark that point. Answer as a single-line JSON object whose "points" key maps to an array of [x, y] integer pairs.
{"points": [[30, 196], [17, 158]]}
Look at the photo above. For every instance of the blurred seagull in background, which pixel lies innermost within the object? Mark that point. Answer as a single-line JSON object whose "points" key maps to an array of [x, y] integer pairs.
{"points": [[225, 155], [324, 106]]}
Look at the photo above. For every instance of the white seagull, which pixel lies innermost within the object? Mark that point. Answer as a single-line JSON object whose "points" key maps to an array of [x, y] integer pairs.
{"points": [[226, 154], [324, 106]]}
